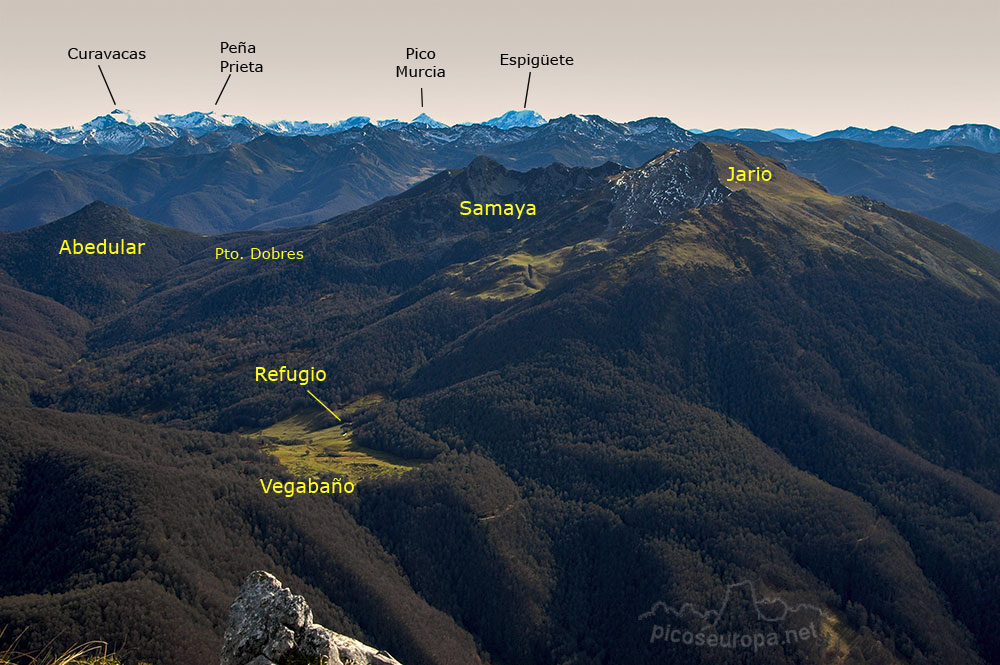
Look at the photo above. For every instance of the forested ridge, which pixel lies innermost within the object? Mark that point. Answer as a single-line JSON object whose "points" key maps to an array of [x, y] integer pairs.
{"points": [[779, 385]]}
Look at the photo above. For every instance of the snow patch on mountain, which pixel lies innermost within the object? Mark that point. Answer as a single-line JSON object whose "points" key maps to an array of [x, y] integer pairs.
{"points": [[306, 128], [198, 122]]}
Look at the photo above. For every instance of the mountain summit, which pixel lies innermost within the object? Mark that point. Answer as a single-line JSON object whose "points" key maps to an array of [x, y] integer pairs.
{"points": [[424, 119], [94, 285], [512, 119]]}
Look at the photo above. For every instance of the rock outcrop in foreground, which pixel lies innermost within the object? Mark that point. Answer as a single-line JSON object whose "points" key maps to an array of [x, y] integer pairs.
{"points": [[269, 625]]}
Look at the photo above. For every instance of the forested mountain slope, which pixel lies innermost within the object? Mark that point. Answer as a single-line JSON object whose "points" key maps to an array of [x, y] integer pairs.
{"points": [[662, 383]]}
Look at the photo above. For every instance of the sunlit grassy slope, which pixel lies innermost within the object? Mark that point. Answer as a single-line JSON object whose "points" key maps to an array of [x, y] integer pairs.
{"points": [[313, 442], [522, 273]]}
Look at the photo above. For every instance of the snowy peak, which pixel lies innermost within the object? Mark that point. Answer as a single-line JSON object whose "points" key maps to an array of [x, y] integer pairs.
{"points": [[424, 119], [110, 120], [512, 119]]}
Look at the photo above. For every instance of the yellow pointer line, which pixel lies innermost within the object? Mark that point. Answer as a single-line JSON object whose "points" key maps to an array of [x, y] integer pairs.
{"points": [[324, 405]]}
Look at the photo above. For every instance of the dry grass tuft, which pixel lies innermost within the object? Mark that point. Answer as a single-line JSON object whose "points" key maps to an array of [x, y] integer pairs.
{"points": [[88, 653]]}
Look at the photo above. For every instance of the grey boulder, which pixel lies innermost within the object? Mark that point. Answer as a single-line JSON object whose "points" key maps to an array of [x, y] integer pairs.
{"points": [[268, 624]]}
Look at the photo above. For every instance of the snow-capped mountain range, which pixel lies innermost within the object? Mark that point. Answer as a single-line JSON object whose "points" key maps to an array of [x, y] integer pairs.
{"points": [[120, 133]]}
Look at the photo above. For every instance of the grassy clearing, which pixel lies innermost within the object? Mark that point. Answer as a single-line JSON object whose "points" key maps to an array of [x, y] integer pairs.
{"points": [[522, 274], [313, 442]]}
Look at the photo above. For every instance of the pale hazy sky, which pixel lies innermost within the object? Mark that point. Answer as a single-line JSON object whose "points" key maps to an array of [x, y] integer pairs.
{"points": [[809, 65]]}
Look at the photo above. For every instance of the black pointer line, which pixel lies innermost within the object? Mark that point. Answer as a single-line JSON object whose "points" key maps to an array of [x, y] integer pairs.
{"points": [[421, 98], [106, 85], [526, 89], [223, 89]]}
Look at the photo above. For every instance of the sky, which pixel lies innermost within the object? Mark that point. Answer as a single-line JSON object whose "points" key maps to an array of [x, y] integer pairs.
{"points": [[812, 66]]}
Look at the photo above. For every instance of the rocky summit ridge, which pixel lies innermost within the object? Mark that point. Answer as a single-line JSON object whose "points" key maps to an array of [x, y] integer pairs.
{"points": [[269, 625]]}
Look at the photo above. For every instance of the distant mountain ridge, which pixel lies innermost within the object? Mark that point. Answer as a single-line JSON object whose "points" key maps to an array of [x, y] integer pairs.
{"points": [[980, 137], [236, 178], [119, 133], [791, 134], [748, 134]]}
